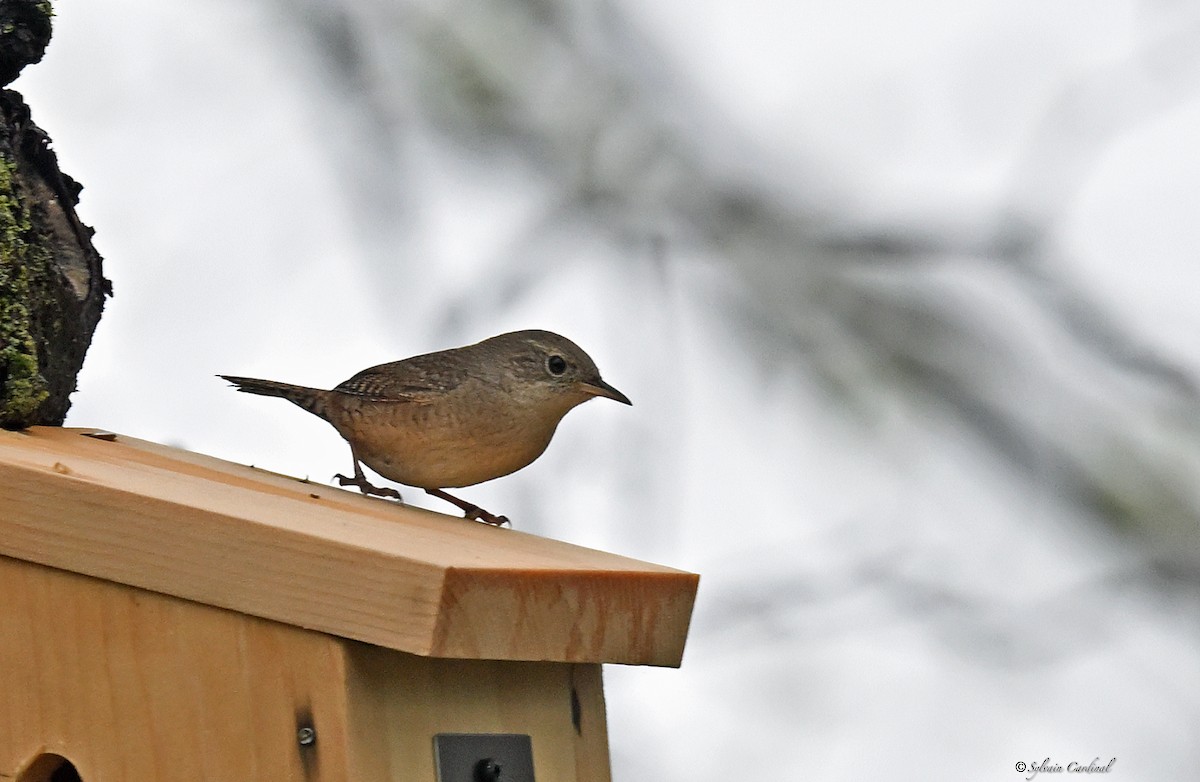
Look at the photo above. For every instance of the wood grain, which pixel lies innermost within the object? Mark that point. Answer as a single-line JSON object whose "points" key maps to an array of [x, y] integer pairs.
{"points": [[317, 557], [398, 703], [133, 685]]}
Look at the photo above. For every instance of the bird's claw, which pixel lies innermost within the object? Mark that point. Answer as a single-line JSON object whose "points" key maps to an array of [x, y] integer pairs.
{"points": [[479, 514], [471, 511], [366, 488]]}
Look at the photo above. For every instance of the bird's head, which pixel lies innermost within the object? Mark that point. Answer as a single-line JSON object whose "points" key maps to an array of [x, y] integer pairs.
{"points": [[546, 368]]}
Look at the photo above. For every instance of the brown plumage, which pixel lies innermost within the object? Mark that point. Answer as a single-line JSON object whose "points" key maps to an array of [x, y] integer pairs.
{"points": [[456, 417]]}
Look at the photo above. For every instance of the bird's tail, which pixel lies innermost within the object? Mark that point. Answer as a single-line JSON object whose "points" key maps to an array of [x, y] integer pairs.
{"points": [[314, 400]]}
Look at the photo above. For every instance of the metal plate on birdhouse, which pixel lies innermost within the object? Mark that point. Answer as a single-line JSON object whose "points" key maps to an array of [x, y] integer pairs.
{"points": [[483, 757]]}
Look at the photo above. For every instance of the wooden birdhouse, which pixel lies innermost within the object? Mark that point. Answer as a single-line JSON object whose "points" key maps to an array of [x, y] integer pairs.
{"points": [[170, 616]]}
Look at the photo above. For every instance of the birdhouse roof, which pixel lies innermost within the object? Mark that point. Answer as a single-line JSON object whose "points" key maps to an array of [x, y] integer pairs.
{"points": [[314, 556]]}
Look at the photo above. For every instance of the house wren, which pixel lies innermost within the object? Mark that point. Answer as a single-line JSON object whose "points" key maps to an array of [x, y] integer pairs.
{"points": [[456, 417]]}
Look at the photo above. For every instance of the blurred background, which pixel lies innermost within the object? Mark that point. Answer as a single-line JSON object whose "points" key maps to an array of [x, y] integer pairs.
{"points": [[905, 296]]}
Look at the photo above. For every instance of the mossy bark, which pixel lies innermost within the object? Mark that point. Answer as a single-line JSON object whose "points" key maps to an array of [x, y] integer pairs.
{"points": [[52, 288]]}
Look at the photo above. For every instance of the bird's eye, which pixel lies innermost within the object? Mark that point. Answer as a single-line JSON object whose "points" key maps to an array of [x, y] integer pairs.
{"points": [[556, 365]]}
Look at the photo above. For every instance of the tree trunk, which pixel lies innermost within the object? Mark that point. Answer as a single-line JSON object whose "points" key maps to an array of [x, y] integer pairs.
{"points": [[52, 288]]}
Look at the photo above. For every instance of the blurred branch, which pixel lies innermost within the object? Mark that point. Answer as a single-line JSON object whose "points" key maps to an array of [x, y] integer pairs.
{"points": [[824, 603], [964, 317]]}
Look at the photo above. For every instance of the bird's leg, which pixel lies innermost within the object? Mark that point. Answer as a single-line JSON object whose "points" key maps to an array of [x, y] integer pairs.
{"points": [[360, 481], [470, 511]]}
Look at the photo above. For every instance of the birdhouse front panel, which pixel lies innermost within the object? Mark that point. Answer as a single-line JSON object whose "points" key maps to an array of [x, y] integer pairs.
{"points": [[127, 684]]}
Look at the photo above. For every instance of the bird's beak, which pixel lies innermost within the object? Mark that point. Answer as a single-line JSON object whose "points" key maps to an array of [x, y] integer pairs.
{"points": [[600, 388]]}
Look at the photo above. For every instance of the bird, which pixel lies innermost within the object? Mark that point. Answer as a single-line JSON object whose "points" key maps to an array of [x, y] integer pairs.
{"points": [[455, 417]]}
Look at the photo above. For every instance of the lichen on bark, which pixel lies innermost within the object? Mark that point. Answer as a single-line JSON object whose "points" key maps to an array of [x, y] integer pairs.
{"points": [[22, 387]]}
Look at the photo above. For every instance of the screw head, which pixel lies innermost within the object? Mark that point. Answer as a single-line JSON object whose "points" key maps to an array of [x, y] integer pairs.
{"points": [[487, 770]]}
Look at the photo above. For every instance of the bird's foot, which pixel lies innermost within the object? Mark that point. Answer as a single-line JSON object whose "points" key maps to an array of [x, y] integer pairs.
{"points": [[366, 488], [479, 514], [470, 511]]}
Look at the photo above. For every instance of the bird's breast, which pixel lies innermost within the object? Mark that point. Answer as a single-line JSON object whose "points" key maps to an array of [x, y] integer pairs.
{"points": [[444, 444]]}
